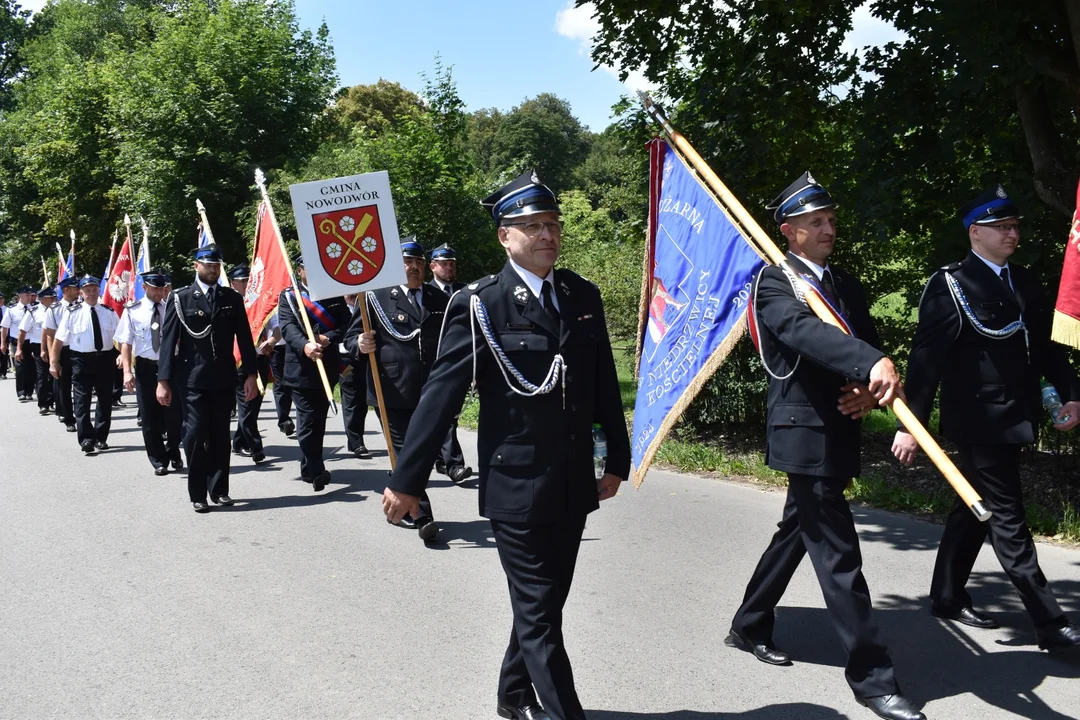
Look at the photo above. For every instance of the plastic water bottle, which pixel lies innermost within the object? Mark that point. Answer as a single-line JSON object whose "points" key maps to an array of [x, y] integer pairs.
{"points": [[1052, 402], [599, 450]]}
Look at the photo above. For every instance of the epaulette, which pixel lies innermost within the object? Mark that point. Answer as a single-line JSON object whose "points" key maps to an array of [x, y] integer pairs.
{"points": [[75, 305], [564, 274], [951, 267], [478, 285]]}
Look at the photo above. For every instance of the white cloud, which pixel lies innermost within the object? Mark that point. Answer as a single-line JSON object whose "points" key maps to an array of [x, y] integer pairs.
{"points": [[580, 24], [869, 31], [33, 5]]}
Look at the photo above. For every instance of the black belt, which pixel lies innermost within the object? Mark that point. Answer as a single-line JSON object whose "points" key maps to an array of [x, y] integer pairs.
{"points": [[92, 353], [143, 360]]}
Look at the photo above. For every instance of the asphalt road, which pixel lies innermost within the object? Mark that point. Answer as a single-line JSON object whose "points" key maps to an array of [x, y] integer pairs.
{"points": [[118, 601]]}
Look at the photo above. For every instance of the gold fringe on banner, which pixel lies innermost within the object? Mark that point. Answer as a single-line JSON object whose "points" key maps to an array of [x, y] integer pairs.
{"points": [[1066, 330]]}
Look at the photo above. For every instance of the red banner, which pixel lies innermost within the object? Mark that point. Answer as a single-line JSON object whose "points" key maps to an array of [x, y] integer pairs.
{"points": [[118, 290], [1067, 309], [269, 276]]}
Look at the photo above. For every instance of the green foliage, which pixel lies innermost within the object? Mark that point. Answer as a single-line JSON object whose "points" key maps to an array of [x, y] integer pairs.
{"points": [[377, 107]]}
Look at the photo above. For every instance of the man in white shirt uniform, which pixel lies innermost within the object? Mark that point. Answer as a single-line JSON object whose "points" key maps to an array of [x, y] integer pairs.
{"points": [[139, 336], [9, 332], [69, 287], [88, 329], [30, 349]]}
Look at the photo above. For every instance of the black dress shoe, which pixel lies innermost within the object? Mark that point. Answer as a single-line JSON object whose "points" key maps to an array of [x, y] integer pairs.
{"points": [[71, 428], [524, 712], [44, 411], [119, 404], [427, 528], [459, 475], [258, 457], [200, 507], [362, 453], [891, 707], [1059, 638], [406, 522], [101, 445], [138, 422], [320, 480], [242, 452], [162, 470], [288, 428], [766, 652], [178, 464], [222, 500], [88, 448], [440, 467], [966, 616]]}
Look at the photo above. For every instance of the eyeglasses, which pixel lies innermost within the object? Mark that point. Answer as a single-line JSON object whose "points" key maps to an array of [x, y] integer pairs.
{"points": [[534, 229], [1006, 228]]}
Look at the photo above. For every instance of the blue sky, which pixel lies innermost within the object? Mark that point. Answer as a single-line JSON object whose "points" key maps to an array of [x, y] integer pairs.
{"points": [[502, 51]]}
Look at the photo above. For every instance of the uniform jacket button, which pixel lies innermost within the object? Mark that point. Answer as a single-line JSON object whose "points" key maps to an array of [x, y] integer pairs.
{"points": [[498, 458], [856, 369], [573, 436], [792, 419], [524, 344]]}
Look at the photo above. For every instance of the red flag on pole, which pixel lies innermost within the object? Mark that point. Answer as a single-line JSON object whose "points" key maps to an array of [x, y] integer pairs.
{"points": [[269, 276], [1067, 309], [121, 275]]}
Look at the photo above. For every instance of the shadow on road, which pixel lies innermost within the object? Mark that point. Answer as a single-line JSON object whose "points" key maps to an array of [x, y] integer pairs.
{"points": [[937, 659], [786, 711], [345, 486]]}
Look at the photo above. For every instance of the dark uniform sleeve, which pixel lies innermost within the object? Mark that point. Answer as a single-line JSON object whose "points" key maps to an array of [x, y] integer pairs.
{"points": [[798, 328], [291, 328], [249, 359], [609, 407], [170, 336], [440, 400], [340, 312], [939, 324]]}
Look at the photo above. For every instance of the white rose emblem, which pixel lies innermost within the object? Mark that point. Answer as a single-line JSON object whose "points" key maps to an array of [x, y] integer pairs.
{"points": [[355, 268], [333, 250], [369, 244], [347, 223]]}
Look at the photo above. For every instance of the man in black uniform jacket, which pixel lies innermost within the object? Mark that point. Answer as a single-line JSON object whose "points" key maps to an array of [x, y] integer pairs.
{"points": [[555, 378], [246, 439], [354, 394], [201, 324], [329, 321], [984, 336], [451, 461], [822, 381], [405, 321]]}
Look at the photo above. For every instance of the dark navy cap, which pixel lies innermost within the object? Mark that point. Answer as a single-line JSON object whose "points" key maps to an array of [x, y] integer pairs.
{"points": [[25, 289], [154, 277], [240, 272], [47, 292], [208, 254], [89, 280], [298, 259], [443, 252], [411, 248], [69, 281], [800, 197], [990, 207], [524, 195]]}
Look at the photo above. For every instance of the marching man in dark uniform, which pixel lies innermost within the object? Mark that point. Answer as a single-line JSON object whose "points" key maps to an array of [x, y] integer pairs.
{"points": [[552, 377], [201, 323], [69, 287], [329, 320], [354, 393], [246, 439], [139, 336], [821, 382], [984, 336], [450, 462], [9, 333], [3, 342], [31, 349], [282, 398], [405, 321], [88, 328]]}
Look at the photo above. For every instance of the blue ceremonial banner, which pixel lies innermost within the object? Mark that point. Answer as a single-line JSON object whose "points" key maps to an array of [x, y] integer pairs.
{"points": [[141, 265], [699, 269]]}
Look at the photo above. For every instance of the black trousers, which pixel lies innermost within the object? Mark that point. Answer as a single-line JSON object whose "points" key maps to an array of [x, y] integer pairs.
{"points": [[65, 407], [397, 422], [4, 362], [817, 520], [25, 371], [311, 408], [450, 454], [206, 441], [161, 425], [539, 564], [994, 472], [354, 406], [43, 381], [282, 394], [92, 377], [118, 378], [246, 435]]}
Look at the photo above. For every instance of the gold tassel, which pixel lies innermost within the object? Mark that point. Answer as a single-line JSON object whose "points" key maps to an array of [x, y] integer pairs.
{"points": [[1066, 330]]}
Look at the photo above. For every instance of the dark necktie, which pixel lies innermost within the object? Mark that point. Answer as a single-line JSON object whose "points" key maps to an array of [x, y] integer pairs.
{"points": [[1005, 278], [414, 296], [828, 287], [446, 289], [210, 296], [155, 329], [99, 344], [549, 305]]}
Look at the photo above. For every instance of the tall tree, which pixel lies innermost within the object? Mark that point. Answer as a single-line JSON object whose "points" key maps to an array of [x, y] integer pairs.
{"points": [[377, 107]]}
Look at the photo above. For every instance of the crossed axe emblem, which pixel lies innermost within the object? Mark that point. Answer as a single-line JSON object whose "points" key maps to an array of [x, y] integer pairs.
{"points": [[329, 226]]}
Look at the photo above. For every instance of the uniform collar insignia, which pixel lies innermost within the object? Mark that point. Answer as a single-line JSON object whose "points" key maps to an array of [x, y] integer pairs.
{"points": [[521, 294], [394, 293], [566, 290], [1001, 192]]}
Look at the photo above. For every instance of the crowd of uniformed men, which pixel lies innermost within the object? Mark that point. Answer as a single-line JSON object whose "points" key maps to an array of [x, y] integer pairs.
{"points": [[532, 341]]}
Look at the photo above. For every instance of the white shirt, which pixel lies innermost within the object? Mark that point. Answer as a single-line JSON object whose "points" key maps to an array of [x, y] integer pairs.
{"points": [[55, 315], [33, 322], [535, 283], [13, 318], [996, 268], [419, 297], [819, 272], [275, 323], [136, 328], [443, 286], [77, 329]]}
